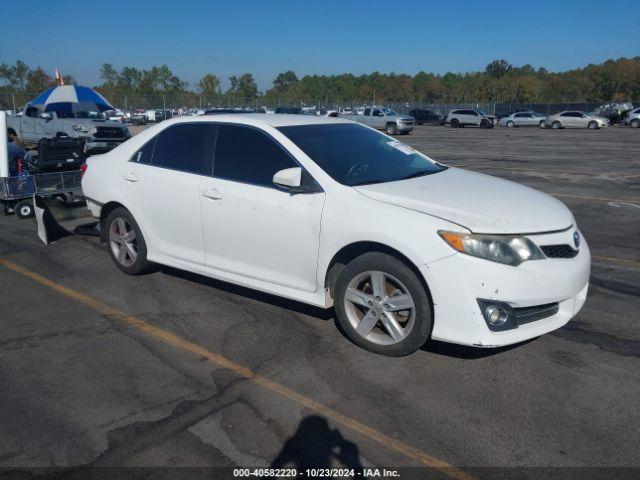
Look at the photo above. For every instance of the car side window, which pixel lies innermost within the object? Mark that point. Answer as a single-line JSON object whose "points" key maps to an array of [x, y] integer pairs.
{"points": [[473, 112], [187, 147], [31, 112], [247, 155], [566, 114], [61, 109], [367, 111], [378, 113], [145, 154]]}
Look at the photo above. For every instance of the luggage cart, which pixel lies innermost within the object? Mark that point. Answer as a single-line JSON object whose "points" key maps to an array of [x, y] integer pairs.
{"points": [[16, 193]]}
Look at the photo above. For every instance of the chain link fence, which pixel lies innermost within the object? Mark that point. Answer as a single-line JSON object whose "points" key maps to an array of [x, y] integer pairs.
{"points": [[15, 101]]}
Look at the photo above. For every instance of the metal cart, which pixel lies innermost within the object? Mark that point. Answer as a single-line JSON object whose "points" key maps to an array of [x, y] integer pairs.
{"points": [[16, 193]]}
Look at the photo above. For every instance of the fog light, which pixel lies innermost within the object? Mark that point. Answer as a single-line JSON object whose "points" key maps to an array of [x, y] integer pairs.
{"points": [[497, 316]]}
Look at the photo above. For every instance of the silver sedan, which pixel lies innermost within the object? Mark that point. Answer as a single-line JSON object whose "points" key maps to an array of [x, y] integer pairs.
{"points": [[575, 119], [522, 119]]}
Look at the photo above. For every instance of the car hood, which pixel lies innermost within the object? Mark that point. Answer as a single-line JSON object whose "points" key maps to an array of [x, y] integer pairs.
{"points": [[481, 203]]}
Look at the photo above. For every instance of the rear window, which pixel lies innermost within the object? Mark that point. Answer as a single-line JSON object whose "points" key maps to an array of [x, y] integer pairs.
{"points": [[186, 147]]}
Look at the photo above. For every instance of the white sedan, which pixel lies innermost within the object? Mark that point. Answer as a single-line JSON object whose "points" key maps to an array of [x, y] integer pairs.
{"points": [[333, 213]]}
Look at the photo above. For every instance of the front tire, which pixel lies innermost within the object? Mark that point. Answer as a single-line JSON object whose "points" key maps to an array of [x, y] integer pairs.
{"points": [[382, 306], [593, 125], [391, 129], [126, 245], [556, 125], [635, 123], [454, 123], [510, 124]]}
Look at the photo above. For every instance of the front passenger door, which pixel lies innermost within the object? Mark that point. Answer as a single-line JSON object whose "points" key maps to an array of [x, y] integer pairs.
{"points": [[251, 227]]}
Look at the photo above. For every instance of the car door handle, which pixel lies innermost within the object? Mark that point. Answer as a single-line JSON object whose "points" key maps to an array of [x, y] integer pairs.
{"points": [[212, 193], [130, 177]]}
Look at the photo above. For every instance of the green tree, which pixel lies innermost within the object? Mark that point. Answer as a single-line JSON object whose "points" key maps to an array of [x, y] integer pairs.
{"points": [[38, 80], [284, 81]]}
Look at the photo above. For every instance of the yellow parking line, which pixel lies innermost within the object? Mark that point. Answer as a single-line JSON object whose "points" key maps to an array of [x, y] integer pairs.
{"points": [[187, 346]]}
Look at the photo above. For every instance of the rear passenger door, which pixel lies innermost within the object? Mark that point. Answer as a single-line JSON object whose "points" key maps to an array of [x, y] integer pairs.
{"points": [[252, 228], [161, 183]]}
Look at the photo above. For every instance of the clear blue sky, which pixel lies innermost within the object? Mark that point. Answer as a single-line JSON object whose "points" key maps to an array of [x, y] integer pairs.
{"points": [[322, 36]]}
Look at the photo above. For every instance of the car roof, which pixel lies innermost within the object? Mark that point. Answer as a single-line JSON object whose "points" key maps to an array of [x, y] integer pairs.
{"points": [[274, 120]]}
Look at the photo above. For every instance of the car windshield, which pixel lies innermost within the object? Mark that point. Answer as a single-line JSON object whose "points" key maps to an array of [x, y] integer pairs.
{"points": [[388, 111], [356, 155]]}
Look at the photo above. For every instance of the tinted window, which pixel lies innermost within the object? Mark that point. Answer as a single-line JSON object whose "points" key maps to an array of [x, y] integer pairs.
{"points": [[31, 112], [247, 155], [145, 154], [356, 155], [187, 147], [378, 113], [62, 109], [367, 111]]}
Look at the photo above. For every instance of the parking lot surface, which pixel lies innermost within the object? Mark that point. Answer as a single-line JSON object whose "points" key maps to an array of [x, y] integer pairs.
{"points": [[100, 369]]}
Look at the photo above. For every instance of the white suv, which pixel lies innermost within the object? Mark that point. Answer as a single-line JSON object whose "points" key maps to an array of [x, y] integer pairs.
{"points": [[462, 117], [333, 213]]}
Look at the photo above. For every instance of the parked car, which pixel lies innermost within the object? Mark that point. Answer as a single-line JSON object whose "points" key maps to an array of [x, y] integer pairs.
{"points": [[575, 119], [423, 116], [463, 117], [289, 110], [523, 119], [330, 212], [67, 119], [633, 118], [382, 118], [139, 117]]}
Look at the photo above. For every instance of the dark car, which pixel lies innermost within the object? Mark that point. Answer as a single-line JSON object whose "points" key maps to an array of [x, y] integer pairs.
{"points": [[423, 116], [293, 110]]}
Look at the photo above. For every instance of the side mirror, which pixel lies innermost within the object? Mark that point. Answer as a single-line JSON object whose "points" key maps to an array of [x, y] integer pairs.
{"points": [[46, 116], [295, 180]]}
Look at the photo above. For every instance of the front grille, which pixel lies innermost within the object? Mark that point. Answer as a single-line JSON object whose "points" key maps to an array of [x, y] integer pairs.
{"points": [[531, 314], [559, 251], [109, 132]]}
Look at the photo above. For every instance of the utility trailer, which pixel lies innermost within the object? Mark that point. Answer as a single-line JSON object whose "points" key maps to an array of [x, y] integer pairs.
{"points": [[17, 193]]}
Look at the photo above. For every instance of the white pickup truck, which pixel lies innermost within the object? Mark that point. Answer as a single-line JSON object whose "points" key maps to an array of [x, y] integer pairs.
{"points": [[383, 118]]}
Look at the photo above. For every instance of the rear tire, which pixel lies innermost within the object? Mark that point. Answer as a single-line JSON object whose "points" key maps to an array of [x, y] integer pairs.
{"points": [[24, 209], [382, 306], [454, 123], [556, 125], [635, 123], [125, 243], [510, 124], [542, 124]]}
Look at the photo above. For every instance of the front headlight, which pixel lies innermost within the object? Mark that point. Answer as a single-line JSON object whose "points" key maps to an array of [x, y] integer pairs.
{"points": [[78, 127], [507, 249]]}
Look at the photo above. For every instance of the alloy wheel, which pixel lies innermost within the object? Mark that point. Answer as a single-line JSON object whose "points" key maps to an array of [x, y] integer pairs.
{"points": [[379, 307], [123, 241]]}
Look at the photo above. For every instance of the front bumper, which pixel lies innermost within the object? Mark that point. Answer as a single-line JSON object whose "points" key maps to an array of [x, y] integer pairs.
{"points": [[458, 281], [403, 127]]}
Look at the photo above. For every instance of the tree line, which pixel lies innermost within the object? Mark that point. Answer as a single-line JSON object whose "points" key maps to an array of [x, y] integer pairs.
{"points": [[500, 81]]}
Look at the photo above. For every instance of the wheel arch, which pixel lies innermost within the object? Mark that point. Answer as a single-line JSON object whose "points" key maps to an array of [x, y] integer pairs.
{"points": [[353, 250]]}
